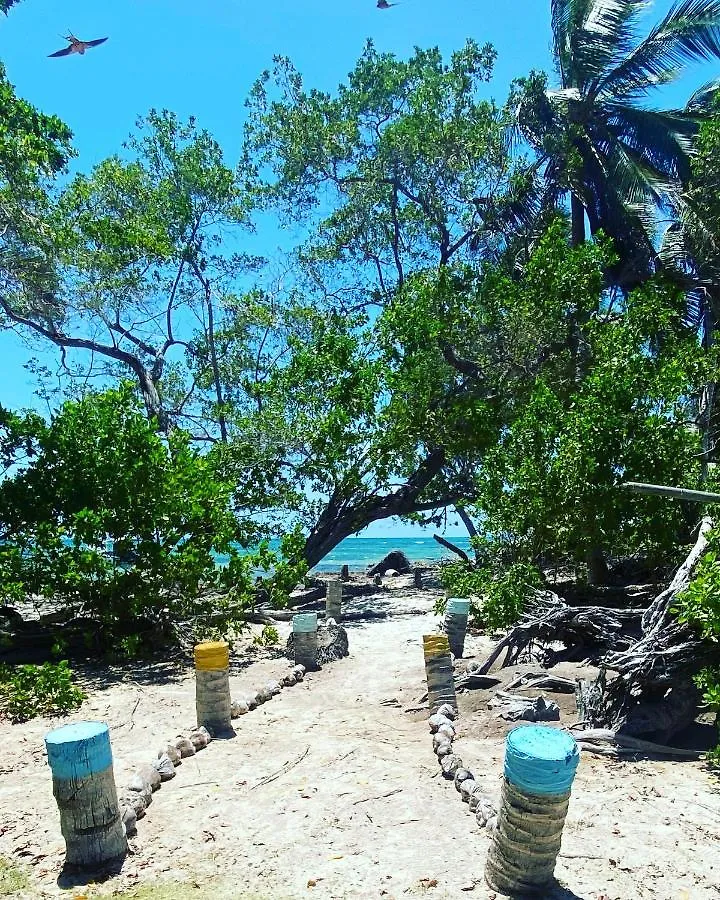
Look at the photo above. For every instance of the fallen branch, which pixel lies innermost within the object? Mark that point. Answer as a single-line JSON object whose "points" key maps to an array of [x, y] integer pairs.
{"points": [[603, 739], [381, 797], [282, 770]]}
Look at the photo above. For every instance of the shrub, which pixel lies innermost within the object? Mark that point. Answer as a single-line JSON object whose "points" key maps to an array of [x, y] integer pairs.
{"points": [[29, 691], [268, 637], [497, 598], [699, 605], [113, 521]]}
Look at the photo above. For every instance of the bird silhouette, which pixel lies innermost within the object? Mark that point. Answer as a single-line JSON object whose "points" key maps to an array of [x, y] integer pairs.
{"points": [[77, 46], [383, 4]]}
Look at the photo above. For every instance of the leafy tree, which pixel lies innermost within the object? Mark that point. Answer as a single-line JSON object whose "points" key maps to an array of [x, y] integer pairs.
{"points": [[405, 167], [354, 426], [34, 147], [139, 260], [596, 139], [101, 473], [7, 5], [549, 487]]}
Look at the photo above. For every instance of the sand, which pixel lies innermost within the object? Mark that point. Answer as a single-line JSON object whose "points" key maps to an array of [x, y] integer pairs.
{"points": [[331, 790]]}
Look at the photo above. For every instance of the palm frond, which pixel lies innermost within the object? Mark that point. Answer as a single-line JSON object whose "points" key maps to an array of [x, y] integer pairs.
{"points": [[609, 33], [662, 138], [702, 100], [689, 32]]}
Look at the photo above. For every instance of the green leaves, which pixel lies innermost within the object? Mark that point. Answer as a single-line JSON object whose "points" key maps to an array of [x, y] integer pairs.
{"points": [[29, 691], [102, 474], [408, 159]]}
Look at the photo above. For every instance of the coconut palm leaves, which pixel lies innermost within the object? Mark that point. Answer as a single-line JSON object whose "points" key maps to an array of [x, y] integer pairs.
{"points": [[620, 160]]}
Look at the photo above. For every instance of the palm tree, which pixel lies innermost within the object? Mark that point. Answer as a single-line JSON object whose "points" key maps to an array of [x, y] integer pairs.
{"points": [[622, 162]]}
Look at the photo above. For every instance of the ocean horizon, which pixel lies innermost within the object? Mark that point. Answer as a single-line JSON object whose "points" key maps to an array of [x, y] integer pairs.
{"points": [[360, 552]]}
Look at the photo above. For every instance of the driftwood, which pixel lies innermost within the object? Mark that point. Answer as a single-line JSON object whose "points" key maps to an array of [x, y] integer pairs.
{"points": [[653, 690], [582, 629], [647, 658], [605, 742]]}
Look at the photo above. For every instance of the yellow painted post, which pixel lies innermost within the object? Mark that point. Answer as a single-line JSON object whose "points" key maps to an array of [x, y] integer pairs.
{"points": [[212, 687], [439, 671]]}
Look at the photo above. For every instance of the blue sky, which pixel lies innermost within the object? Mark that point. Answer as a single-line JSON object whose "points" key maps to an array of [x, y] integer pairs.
{"points": [[200, 58]]}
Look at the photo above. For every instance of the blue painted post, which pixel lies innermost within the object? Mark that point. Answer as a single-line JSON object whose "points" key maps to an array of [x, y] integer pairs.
{"points": [[540, 765], [456, 619], [305, 640], [80, 759]]}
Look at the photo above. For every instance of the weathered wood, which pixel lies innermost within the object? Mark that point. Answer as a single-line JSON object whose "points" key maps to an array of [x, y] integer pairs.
{"points": [[608, 742], [80, 759], [675, 492], [333, 600], [212, 687], [548, 619], [305, 640]]}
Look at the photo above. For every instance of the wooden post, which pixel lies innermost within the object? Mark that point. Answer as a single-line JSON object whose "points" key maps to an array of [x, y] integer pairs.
{"points": [[345, 573], [540, 764], [333, 600], [439, 671], [305, 640], [212, 687], [80, 759], [456, 619]]}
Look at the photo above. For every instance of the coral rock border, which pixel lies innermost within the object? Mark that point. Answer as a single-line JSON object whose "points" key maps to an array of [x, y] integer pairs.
{"points": [[145, 781], [442, 728]]}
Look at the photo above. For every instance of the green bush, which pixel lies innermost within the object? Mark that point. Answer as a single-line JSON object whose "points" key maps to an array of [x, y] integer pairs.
{"points": [[113, 521], [29, 691], [699, 605], [497, 598], [268, 637]]}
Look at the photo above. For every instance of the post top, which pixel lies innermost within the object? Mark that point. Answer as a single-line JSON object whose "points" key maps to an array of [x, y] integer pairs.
{"points": [[435, 645], [458, 606], [304, 622], [212, 655], [75, 731], [78, 750], [541, 760]]}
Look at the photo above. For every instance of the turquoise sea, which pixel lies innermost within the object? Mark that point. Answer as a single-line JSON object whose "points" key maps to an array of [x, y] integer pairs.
{"points": [[360, 552]]}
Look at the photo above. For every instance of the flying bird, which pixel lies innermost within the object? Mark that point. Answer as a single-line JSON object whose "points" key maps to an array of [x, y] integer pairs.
{"points": [[77, 46], [383, 4]]}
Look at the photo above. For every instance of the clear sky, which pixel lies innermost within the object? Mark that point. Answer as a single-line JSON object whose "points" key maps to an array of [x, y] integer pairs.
{"points": [[200, 58]]}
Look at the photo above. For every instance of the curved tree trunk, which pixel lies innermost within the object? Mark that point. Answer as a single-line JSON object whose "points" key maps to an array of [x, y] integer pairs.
{"points": [[342, 518]]}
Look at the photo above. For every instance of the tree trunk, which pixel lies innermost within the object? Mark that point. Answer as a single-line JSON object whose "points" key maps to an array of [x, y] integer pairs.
{"points": [[215, 367], [339, 520], [577, 214], [469, 525], [151, 398], [597, 566]]}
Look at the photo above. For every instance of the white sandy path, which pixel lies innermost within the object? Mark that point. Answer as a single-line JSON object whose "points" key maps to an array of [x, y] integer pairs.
{"points": [[634, 830]]}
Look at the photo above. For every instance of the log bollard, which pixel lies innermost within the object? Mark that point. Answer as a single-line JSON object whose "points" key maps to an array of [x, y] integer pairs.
{"points": [[345, 573], [456, 618], [417, 577], [333, 600], [439, 671], [80, 758], [212, 687], [540, 764], [305, 641]]}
